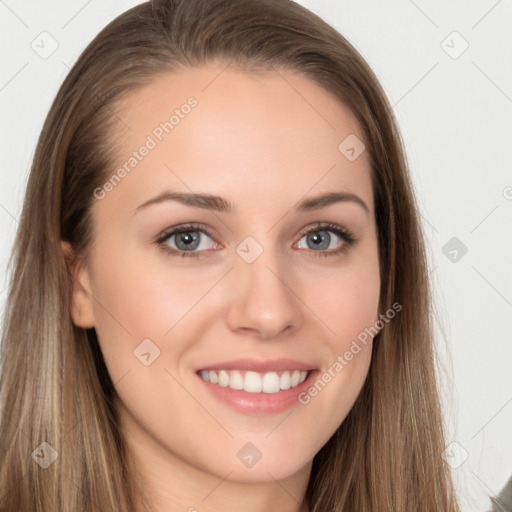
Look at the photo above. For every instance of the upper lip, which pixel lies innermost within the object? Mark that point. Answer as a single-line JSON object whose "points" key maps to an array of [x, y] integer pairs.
{"points": [[259, 365]]}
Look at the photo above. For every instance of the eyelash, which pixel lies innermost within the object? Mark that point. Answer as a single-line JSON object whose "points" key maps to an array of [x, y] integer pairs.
{"points": [[347, 236]]}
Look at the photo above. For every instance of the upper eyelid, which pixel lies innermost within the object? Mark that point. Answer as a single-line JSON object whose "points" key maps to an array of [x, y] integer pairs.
{"points": [[182, 228], [326, 226]]}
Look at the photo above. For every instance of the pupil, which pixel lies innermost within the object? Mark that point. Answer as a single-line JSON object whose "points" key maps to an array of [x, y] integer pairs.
{"points": [[320, 239], [187, 241]]}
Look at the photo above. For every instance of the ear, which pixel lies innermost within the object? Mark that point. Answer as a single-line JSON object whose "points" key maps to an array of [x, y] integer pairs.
{"points": [[82, 301]]}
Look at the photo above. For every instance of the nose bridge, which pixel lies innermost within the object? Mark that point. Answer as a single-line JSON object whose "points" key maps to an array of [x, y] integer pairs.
{"points": [[262, 300]]}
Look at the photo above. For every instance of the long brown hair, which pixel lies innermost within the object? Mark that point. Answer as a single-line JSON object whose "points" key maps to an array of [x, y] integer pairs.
{"points": [[54, 385]]}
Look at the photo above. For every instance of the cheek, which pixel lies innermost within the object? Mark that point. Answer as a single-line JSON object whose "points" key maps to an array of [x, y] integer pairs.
{"points": [[137, 299], [349, 311], [346, 301], [357, 307]]}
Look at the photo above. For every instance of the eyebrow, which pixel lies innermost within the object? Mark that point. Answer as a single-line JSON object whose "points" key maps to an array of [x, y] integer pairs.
{"points": [[219, 204]]}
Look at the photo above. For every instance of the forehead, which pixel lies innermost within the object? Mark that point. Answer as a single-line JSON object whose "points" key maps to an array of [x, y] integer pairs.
{"points": [[222, 130]]}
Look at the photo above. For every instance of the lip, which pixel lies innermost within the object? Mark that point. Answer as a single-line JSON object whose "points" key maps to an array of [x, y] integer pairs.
{"points": [[259, 365], [261, 404]]}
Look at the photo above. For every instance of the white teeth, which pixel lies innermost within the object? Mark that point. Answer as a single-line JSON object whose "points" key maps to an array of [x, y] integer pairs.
{"points": [[223, 379], [253, 382], [271, 383], [236, 381], [285, 382]]}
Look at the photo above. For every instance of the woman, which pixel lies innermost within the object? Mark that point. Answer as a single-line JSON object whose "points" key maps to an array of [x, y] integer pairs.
{"points": [[219, 298]]}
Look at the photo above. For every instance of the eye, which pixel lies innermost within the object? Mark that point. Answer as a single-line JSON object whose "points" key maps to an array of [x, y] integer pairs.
{"points": [[186, 241], [322, 239], [326, 239]]}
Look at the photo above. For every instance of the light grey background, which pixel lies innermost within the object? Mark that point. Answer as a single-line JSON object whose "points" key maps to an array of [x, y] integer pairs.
{"points": [[455, 111]]}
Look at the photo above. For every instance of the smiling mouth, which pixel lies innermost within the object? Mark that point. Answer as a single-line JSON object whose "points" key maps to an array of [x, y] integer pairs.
{"points": [[255, 382]]}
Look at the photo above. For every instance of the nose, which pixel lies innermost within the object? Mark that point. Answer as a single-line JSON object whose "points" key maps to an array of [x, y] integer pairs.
{"points": [[262, 299]]}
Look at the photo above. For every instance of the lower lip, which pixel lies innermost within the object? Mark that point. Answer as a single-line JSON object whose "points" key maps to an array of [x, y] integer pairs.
{"points": [[259, 403]]}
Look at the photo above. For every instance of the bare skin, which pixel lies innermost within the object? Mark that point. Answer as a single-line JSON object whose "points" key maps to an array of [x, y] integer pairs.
{"points": [[264, 146]]}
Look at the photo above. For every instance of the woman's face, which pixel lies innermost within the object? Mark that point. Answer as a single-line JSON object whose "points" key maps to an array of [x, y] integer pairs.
{"points": [[261, 288]]}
